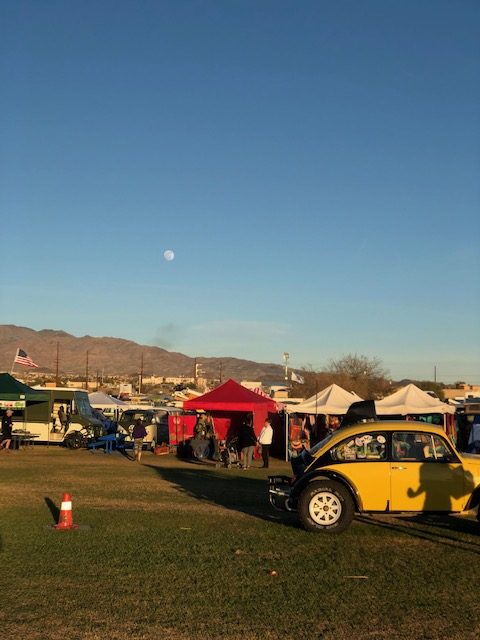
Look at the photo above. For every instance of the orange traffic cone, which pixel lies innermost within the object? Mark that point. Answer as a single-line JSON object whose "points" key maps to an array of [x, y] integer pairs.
{"points": [[65, 520]]}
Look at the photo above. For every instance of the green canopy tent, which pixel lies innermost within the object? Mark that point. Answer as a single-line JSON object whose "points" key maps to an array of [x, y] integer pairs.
{"points": [[19, 397], [12, 390]]}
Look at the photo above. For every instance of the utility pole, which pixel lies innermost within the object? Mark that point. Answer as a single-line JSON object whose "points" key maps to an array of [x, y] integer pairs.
{"points": [[57, 379], [220, 373], [435, 374], [140, 378], [86, 373]]}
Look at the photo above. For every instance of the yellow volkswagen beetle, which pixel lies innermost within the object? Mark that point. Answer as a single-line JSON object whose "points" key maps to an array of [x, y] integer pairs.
{"points": [[377, 467]]}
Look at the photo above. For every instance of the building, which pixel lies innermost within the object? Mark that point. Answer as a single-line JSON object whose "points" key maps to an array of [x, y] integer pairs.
{"points": [[462, 391]]}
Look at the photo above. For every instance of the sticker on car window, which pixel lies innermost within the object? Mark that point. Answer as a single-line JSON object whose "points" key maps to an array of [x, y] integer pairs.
{"points": [[363, 447]]}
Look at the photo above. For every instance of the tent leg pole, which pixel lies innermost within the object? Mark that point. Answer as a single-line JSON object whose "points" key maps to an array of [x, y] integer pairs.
{"points": [[286, 435]]}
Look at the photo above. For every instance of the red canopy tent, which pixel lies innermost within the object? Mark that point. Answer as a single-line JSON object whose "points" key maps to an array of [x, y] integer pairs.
{"points": [[227, 401]]}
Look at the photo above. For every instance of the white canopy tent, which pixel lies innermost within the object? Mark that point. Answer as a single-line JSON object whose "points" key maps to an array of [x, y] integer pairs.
{"points": [[330, 401], [111, 406], [100, 400], [411, 400]]}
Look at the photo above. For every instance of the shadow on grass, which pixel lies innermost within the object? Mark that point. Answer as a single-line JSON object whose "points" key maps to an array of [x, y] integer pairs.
{"points": [[54, 510], [434, 528], [236, 492], [126, 453]]}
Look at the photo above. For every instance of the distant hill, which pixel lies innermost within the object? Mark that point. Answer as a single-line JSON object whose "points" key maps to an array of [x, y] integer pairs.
{"points": [[115, 356]]}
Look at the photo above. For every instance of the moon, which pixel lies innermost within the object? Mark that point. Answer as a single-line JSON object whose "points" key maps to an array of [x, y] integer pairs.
{"points": [[168, 255]]}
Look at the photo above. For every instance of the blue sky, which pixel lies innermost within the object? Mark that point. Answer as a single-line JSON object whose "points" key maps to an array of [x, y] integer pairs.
{"points": [[313, 165]]}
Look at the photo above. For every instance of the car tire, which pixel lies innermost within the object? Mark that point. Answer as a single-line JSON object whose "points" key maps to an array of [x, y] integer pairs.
{"points": [[325, 505], [68, 442], [73, 440]]}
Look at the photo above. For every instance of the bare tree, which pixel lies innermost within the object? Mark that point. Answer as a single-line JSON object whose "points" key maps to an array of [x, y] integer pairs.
{"points": [[356, 367], [365, 376]]}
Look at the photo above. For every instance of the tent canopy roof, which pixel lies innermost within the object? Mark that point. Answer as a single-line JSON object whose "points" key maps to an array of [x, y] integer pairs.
{"points": [[231, 396], [103, 399], [411, 400], [13, 389], [330, 401]]}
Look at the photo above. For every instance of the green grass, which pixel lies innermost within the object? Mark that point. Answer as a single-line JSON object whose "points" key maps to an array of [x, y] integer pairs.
{"points": [[168, 549]]}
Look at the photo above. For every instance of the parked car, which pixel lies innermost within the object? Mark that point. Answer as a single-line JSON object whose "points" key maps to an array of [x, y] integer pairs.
{"points": [[155, 421], [377, 467]]}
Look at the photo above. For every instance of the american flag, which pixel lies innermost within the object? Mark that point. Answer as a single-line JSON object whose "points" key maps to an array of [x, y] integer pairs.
{"points": [[22, 358]]}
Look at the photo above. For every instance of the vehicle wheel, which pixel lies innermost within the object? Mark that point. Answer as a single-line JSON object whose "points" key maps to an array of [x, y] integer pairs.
{"points": [[68, 442], [73, 441], [325, 505]]}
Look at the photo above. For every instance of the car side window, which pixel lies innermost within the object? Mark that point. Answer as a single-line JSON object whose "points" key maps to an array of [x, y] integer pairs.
{"points": [[367, 446], [442, 450], [418, 447]]}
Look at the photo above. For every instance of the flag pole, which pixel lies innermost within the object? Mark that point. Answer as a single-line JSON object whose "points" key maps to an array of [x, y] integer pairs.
{"points": [[13, 363]]}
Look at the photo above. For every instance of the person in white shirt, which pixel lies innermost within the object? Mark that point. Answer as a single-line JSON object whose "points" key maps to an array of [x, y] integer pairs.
{"points": [[265, 440]]}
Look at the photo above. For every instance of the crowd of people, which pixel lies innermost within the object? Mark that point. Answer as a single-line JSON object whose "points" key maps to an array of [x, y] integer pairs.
{"points": [[206, 444], [306, 431]]}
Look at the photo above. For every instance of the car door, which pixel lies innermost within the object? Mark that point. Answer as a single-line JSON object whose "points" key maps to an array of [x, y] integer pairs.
{"points": [[426, 474], [362, 461]]}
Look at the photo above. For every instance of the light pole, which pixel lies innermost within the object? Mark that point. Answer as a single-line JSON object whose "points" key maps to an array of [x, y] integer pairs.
{"points": [[286, 356]]}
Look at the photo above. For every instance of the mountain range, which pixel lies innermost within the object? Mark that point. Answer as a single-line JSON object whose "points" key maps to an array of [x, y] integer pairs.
{"points": [[119, 357]]}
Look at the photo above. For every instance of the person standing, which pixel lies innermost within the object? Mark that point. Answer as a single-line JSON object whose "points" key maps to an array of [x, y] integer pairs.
{"points": [[68, 417], [247, 441], [62, 418], [7, 425], [139, 432], [211, 436], [200, 429], [265, 440]]}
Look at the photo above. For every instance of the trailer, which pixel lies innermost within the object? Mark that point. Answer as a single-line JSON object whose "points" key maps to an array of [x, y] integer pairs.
{"points": [[41, 417]]}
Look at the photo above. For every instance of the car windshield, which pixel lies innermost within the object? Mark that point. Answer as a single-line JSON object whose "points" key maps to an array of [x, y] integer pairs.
{"points": [[131, 416]]}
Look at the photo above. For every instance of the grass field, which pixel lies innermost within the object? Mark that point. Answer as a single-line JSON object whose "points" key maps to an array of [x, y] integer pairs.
{"points": [[168, 549]]}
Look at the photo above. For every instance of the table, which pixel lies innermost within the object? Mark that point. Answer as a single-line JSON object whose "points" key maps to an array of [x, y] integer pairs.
{"points": [[21, 439]]}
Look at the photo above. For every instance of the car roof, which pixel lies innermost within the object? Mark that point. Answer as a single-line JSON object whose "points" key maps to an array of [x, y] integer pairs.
{"points": [[388, 425]]}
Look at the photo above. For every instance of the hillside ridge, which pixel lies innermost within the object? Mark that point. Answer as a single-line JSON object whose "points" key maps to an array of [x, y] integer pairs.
{"points": [[120, 357]]}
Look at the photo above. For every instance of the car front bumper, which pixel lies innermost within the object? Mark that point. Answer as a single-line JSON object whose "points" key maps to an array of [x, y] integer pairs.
{"points": [[279, 493]]}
